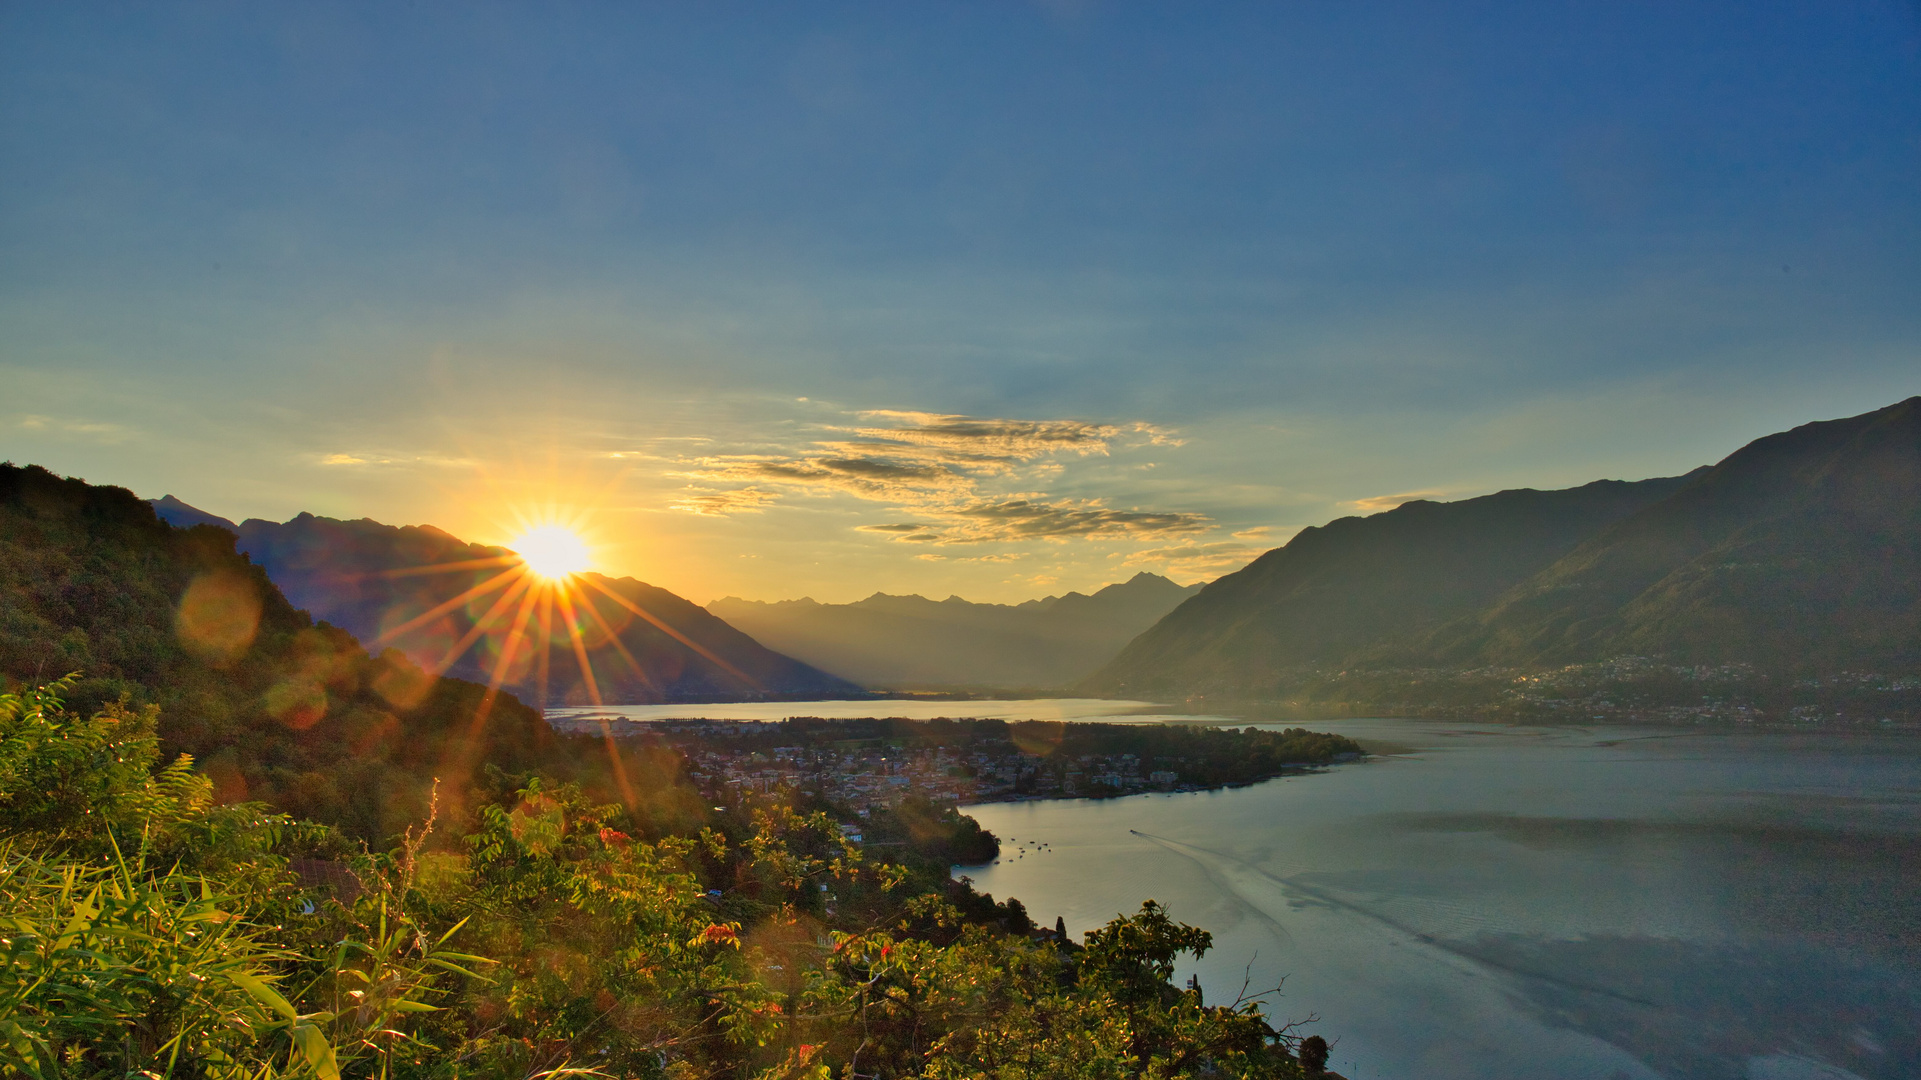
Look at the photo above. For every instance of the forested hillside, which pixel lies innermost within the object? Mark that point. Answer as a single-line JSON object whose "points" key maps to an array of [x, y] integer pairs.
{"points": [[1799, 552], [272, 706], [1798, 556], [368, 872], [1361, 589]]}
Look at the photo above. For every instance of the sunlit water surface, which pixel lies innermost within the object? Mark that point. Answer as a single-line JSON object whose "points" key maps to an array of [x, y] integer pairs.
{"points": [[1022, 709], [1516, 902]]}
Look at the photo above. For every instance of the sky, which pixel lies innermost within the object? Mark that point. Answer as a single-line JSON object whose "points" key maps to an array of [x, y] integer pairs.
{"points": [[995, 299]]}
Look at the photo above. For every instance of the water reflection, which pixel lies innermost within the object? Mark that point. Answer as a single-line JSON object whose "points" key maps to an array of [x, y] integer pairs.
{"points": [[1539, 902]]}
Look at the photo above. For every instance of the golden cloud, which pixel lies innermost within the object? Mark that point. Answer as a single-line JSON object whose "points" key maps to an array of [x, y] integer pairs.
{"points": [[872, 478], [723, 503], [935, 465], [1378, 503], [1194, 561], [1028, 519], [367, 457], [82, 429]]}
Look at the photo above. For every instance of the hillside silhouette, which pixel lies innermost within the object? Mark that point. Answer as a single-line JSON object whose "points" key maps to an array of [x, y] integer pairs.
{"points": [[274, 707], [644, 643]]}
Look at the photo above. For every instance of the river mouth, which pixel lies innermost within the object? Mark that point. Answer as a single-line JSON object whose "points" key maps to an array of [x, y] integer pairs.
{"points": [[1527, 902]]}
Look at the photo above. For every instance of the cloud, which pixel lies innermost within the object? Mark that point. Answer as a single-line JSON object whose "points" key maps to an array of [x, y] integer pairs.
{"points": [[1194, 561], [872, 478], [1378, 503], [923, 458], [1000, 557], [1026, 519], [360, 458], [724, 503], [91, 430], [1018, 440], [1260, 532], [941, 467], [906, 533]]}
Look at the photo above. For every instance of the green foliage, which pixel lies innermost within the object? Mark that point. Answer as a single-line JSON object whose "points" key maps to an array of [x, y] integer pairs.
{"points": [[566, 909], [112, 972], [549, 941], [264, 699]]}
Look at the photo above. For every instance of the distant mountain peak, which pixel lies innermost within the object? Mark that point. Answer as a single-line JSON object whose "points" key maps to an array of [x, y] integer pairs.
{"points": [[653, 646], [182, 516], [911, 642]]}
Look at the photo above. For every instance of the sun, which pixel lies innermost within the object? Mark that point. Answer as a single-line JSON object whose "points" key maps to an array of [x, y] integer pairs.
{"points": [[554, 552]]}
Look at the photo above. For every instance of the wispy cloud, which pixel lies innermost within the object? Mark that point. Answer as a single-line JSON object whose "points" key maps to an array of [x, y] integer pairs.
{"points": [[952, 478], [1008, 440], [1194, 561], [89, 430], [368, 458], [1378, 503], [724, 503], [997, 557], [933, 460], [1028, 519], [877, 478]]}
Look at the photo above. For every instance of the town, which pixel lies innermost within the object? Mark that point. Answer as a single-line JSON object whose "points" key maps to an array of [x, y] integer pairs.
{"points": [[870, 763]]}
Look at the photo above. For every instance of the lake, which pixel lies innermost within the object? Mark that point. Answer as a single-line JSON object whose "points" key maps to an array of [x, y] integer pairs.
{"points": [[1534, 902], [1139, 712]]}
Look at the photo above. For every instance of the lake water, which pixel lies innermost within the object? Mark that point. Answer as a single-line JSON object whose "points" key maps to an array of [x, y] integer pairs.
{"points": [[1518, 902], [1023, 709]]}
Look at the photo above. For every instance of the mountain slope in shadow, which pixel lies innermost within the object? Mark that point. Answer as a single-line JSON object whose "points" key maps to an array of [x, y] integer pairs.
{"points": [[643, 643], [1365, 588], [273, 707], [1801, 552]]}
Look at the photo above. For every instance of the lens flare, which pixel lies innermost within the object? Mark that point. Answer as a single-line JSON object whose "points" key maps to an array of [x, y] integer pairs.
{"points": [[520, 606], [552, 551]]}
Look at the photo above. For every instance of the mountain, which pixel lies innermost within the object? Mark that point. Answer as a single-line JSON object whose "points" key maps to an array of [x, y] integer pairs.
{"points": [[913, 642], [643, 643], [179, 514], [275, 708], [1799, 552], [1361, 587]]}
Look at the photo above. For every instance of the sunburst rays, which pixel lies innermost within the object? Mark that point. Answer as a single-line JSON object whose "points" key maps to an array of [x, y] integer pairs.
{"points": [[539, 599]]}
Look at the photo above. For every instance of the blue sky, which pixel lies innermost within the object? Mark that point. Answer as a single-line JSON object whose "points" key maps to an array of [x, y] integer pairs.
{"points": [[1050, 292]]}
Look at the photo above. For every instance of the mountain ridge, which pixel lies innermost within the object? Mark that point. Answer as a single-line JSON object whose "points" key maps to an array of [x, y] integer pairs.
{"points": [[1800, 551], [913, 642], [373, 579], [1822, 504], [272, 705]]}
